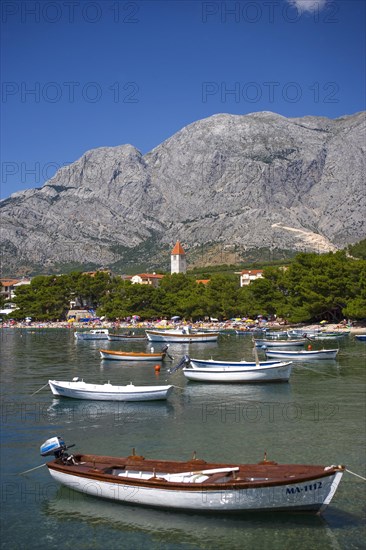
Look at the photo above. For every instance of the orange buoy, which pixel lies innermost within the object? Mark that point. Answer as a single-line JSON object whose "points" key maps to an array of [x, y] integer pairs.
{"points": [[309, 347], [157, 368]]}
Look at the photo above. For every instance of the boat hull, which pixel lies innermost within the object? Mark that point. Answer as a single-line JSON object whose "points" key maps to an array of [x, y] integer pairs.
{"points": [[166, 336], [307, 495], [270, 373], [330, 335], [361, 337], [91, 335], [302, 355], [126, 337], [107, 392], [130, 356], [210, 363]]}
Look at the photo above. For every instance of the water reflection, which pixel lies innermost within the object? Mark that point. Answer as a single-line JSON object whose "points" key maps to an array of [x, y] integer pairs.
{"points": [[197, 530], [71, 410]]}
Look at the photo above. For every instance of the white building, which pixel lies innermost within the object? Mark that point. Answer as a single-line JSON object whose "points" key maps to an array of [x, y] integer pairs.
{"points": [[247, 276], [178, 259]]}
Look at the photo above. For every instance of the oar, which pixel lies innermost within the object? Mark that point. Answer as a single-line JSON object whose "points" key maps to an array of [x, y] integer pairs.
{"points": [[39, 389]]}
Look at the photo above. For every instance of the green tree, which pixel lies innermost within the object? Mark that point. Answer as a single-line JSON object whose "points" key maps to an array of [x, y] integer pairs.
{"points": [[45, 298]]}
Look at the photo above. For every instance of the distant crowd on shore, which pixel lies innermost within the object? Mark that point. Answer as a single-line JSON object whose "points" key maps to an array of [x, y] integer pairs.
{"points": [[353, 327]]}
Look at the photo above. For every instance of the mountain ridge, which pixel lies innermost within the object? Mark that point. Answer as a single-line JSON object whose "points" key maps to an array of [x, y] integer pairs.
{"points": [[251, 181]]}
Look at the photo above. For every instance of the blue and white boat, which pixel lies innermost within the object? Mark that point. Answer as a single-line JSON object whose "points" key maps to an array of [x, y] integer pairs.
{"points": [[211, 363], [361, 337]]}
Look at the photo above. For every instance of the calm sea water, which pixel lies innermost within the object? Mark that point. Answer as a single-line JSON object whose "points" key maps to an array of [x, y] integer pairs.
{"points": [[319, 418]]}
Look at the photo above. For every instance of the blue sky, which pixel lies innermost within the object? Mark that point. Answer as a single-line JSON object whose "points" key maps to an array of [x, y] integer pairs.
{"points": [[83, 74]]}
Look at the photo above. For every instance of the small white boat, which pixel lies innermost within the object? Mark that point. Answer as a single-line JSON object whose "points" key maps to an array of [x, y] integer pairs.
{"points": [[126, 337], [280, 372], [78, 389], [195, 484], [95, 334], [279, 343], [184, 336], [302, 355], [330, 335]]}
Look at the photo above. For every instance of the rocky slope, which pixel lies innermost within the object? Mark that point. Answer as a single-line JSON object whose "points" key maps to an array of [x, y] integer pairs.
{"points": [[259, 180]]}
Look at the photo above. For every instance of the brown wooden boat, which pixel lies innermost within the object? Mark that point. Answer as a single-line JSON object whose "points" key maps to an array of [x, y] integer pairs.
{"points": [[131, 355], [196, 484]]}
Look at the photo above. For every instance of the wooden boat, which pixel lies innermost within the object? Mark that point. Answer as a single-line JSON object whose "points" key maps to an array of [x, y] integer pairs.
{"points": [[279, 372], [195, 484], [361, 337], [302, 355], [279, 343], [184, 336], [131, 355], [95, 334], [126, 337], [78, 389]]}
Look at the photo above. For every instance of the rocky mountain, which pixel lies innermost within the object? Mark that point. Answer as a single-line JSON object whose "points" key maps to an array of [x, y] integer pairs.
{"points": [[259, 180]]}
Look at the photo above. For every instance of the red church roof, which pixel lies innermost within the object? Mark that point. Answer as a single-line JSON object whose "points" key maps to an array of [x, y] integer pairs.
{"points": [[178, 249]]}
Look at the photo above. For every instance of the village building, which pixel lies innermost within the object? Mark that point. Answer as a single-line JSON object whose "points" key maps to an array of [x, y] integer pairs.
{"points": [[9, 286], [152, 279], [249, 275]]}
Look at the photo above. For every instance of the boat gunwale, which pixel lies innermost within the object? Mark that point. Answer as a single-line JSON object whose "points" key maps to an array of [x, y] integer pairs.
{"points": [[314, 473], [132, 353]]}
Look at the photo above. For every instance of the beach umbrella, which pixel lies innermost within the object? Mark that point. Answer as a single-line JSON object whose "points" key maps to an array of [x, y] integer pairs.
{"points": [[175, 318], [323, 322]]}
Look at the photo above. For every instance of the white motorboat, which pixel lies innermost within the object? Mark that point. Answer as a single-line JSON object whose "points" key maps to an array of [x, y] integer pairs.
{"points": [[95, 334], [183, 336]]}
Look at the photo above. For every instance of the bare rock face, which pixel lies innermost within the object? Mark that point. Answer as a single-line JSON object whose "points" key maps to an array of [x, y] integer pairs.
{"points": [[259, 180]]}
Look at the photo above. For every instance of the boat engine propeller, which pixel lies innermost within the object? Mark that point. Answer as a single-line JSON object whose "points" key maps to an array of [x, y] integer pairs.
{"points": [[56, 446]]}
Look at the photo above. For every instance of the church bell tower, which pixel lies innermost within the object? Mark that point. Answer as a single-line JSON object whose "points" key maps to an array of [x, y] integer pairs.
{"points": [[178, 259]]}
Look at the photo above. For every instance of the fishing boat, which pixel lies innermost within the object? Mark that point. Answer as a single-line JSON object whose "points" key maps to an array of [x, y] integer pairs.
{"points": [[267, 343], [361, 337], [279, 372], [78, 389], [126, 337], [133, 355], [302, 355], [195, 484], [184, 336], [211, 363], [95, 334], [276, 372]]}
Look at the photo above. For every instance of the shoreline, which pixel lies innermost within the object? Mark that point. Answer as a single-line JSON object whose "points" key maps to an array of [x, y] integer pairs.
{"points": [[359, 329]]}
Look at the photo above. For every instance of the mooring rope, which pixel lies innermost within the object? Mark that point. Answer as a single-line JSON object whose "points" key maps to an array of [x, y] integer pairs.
{"points": [[34, 393], [357, 475]]}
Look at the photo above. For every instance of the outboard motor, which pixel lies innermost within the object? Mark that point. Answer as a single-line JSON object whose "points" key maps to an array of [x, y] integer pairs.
{"points": [[56, 446], [184, 362]]}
